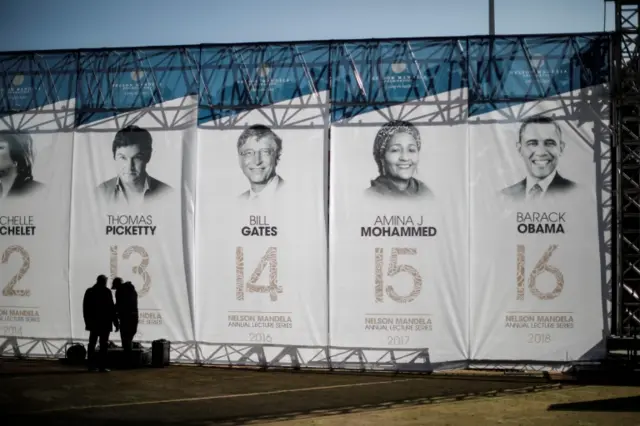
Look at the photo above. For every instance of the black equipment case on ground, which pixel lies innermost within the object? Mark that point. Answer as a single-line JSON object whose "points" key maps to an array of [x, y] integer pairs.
{"points": [[160, 353]]}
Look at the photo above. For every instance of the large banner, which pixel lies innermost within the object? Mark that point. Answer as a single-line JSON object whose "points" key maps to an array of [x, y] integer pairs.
{"points": [[36, 143], [131, 180], [398, 205], [537, 288], [261, 228], [410, 204]]}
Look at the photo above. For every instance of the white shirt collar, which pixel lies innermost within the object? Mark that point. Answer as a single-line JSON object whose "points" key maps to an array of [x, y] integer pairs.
{"points": [[120, 189], [544, 183], [267, 191]]}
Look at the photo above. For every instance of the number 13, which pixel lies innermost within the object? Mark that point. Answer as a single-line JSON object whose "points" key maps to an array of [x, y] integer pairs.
{"points": [[140, 269]]}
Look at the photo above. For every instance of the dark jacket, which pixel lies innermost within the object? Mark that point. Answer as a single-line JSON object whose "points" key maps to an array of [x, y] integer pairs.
{"points": [[22, 187], [558, 185], [98, 309], [127, 303], [246, 194], [383, 186]]}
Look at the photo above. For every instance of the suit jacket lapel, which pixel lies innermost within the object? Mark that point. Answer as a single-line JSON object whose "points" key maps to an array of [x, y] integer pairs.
{"points": [[521, 189]]}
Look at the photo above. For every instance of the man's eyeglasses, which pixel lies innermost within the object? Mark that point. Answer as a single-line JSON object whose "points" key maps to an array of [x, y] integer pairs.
{"points": [[265, 152]]}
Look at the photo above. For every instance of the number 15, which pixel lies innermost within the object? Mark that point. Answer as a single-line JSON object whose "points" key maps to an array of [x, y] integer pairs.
{"points": [[393, 270]]}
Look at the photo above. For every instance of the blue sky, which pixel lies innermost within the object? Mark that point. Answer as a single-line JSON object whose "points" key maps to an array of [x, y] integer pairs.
{"points": [[75, 24]]}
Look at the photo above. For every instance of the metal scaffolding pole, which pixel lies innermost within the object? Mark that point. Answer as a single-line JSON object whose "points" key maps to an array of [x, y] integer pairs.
{"points": [[626, 128]]}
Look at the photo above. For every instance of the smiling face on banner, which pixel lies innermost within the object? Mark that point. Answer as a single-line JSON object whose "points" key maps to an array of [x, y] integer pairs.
{"points": [[259, 149], [258, 158], [401, 157], [540, 146], [396, 152]]}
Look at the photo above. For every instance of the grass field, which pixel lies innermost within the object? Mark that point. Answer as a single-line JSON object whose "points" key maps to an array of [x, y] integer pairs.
{"points": [[588, 405], [50, 393]]}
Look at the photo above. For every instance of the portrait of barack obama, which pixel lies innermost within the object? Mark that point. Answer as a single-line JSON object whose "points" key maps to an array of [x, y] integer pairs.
{"points": [[132, 150], [541, 146]]}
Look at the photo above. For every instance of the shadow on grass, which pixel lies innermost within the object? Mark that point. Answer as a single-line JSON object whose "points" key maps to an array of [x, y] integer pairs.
{"points": [[630, 404]]}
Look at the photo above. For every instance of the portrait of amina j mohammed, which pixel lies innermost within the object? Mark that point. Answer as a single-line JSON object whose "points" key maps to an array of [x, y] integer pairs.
{"points": [[396, 151], [16, 163]]}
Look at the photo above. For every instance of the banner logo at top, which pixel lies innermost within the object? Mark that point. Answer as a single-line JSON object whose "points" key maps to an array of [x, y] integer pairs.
{"points": [[537, 61], [398, 67], [20, 95], [264, 70], [137, 75], [18, 79]]}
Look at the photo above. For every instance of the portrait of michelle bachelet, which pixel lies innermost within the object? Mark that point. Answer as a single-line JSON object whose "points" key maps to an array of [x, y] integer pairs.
{"points": [[540, 145], [131, 154], [35, 195], [17, 164]]}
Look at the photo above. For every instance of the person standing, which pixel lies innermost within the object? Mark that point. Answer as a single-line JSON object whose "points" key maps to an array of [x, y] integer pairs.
{"points": [[99, 314], [127, 311]]}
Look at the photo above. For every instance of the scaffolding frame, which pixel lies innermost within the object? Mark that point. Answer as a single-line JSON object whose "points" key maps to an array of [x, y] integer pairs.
{"points": [[626, 131]]}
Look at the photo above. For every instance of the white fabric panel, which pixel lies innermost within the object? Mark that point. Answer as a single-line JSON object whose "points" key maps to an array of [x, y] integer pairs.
{"points": [[536, 272], [398, 265], [141, 240], [261, 260], [34, 225]]}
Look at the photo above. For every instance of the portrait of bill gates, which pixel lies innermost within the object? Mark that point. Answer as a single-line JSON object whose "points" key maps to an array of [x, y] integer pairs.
{"points": [[259, 151]]}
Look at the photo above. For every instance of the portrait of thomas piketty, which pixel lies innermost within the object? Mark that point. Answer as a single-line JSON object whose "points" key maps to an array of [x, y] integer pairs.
{"points": [[132, 150], [396, 151], [259, 150], [16, 166], [541, 146]]}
